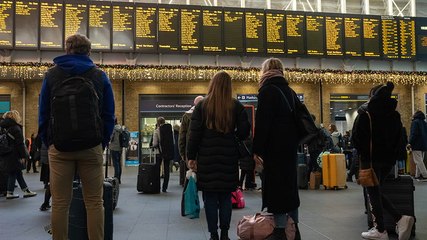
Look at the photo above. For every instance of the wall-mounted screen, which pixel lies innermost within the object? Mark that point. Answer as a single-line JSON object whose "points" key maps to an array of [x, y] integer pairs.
{"points": [[407, 43], [353, 36], [334, 36], [51, 24], [254, 31], [27, 15], [315, 34], [390, 37], [372, 37], [146, 28], [295, 34], [275, 32], [212, 30], [123, 25], [191, 20], [234, 31], [6, 24], [76, 16], [168, 31], [100, 26], [421, 33]]}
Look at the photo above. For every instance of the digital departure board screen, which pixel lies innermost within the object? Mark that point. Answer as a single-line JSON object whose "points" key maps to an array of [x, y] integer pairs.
{"points": [[254, 25], [390, 37], [51, 25], [146, 28], [371, 37], [334, 35], [407, 38], [275, 32], [233, 31], [315, 34], [212, 30], [168, 28], [76, 18], [27, 24], [191, 19], [421, 32], [295, 34], [353, 36], [6, 24], [123, 25], [100, 26]]}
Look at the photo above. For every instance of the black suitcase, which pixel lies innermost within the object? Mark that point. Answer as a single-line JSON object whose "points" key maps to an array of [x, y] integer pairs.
{"points": [[302, 180], [400, 191], [77, 222], [148, 176], [112, 180]]}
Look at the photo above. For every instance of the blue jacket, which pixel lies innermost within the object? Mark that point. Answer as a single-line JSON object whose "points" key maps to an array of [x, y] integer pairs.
{"points": [[76, 64]]}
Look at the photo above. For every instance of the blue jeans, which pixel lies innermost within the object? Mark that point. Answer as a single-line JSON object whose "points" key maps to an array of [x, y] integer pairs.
{"points": [[217, 204], [115, 156], [13, 176]]}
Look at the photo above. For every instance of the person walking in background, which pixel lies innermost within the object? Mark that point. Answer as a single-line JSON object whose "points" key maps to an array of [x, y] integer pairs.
{"points": [[379, 123], [403, 154], [14, 161], [418, 144], [116, 150], [34, 152], [177, 157], [184, 135], [212, 150], [44, 177], [76, 119], [275, 146], [336, 138], [247, 168]]}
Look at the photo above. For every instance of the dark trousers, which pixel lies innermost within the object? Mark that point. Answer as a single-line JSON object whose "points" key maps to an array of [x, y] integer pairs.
{"points": [[182, 172], [217, 204], [247, 176], [31, 162], [378, 200], [166, 170], [116, 156], [15, 176]]}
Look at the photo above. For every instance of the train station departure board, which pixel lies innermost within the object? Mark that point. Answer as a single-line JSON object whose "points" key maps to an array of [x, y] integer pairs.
{"points": [[275, 32], [6, 24], [76, 18], [421, 33], [390, 37], [27, 24], [233, 31], [212, 30], [100, 26], [315, 34], [372, 37], [51, 25], [123, 25], [191, 20], [407, 39], [353, 36], [295, 34], [146, 28], [168, 31], [334, 36], [254, 31]]}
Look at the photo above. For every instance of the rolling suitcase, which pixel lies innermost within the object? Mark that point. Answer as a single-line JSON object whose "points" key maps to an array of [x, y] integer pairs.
{"points": [[77, 222], [334, 171], [302, 180], [148, 176], [113, 181]]}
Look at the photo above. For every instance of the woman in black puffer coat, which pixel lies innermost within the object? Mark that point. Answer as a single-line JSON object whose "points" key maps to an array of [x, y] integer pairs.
{"points": [[212, 150], [15, 160]]}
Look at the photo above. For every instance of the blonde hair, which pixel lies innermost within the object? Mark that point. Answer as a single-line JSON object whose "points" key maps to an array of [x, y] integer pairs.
{"points": [[218, 104], [270, 64], [13, 114]]}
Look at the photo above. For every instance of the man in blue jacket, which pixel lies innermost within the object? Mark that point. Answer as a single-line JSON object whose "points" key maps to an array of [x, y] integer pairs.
{"points": [[418, 144], [76, 119]]}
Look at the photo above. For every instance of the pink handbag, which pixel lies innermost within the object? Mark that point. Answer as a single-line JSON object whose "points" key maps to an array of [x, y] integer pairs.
{"points": [[237, 199], [260, 226]]}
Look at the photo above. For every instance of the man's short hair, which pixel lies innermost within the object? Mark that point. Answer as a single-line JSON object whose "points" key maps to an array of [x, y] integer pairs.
{"points": [[77, 44]]}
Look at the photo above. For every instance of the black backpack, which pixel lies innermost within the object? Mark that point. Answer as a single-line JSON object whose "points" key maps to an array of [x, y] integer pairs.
{"points": [[124, 139], [6, 139], [76, 105], [166, 142]]}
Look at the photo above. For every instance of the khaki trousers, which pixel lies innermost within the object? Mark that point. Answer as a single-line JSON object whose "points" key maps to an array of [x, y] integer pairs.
{"points": [[62, 170]]}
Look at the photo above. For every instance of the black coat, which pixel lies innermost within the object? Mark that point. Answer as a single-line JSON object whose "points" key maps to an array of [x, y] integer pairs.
{"points": [[386, 133], [11, 161], [216, 153], [276, 142], [418, 133]]}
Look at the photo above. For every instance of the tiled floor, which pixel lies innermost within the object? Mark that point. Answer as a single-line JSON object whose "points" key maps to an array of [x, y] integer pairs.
{"points": [[324, 214]]}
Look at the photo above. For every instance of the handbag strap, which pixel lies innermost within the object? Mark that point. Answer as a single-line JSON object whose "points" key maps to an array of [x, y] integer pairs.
{"points": [[284, 97], [370, 143]]}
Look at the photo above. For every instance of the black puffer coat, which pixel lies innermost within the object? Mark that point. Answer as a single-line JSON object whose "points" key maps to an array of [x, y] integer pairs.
{"points": [[276, 142], [216, 153], [11, 161], [418, 133]]}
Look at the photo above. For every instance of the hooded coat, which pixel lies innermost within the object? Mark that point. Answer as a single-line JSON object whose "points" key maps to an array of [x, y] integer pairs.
{"points": [[276, 142], [418, 134], [11, 161], [386, 129]]}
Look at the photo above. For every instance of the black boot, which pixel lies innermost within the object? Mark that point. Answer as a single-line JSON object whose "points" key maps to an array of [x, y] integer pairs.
{"points": [[297, 233], [278, 234], [224, 235], [214, 236]]}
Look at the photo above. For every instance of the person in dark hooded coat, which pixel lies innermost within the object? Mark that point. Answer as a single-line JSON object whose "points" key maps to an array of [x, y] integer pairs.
{"points": [[275, 145], [380, 113], [418, 144]]}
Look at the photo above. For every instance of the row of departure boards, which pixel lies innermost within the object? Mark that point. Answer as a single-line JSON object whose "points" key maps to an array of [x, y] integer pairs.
{"points": [[157, 28]]}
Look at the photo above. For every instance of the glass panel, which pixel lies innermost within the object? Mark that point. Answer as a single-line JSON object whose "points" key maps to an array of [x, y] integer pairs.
{"points": [[148, 1], [279, 4], [332, 6], [262, 4], [354, 6], [378, 7], [202, 2], [229, 3]]}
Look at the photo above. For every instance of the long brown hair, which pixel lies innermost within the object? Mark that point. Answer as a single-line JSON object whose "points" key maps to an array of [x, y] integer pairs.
{"points": [[218, 104]]}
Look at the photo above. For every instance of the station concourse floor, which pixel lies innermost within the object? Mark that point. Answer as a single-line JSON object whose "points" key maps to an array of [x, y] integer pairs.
{"points": [[324, 214]]}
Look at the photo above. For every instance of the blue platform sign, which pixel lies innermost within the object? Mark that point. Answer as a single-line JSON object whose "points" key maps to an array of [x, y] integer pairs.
{"points": [[4, 106]]}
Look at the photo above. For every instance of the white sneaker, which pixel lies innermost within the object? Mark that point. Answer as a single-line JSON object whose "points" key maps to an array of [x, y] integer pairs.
{"points": [[375, 235], [11, 196], [28, 193], [404, 227]]}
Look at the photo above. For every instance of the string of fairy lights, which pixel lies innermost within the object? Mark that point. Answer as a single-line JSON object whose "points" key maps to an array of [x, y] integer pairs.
{"points": [[238, 74]]}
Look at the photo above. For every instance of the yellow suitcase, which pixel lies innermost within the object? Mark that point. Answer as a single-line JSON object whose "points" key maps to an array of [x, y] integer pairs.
{"points": [[334, 171]]}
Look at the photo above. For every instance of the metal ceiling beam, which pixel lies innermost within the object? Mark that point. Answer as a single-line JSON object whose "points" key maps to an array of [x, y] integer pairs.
{"points": [[365, 7], [319, 5], [343, 4]]}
